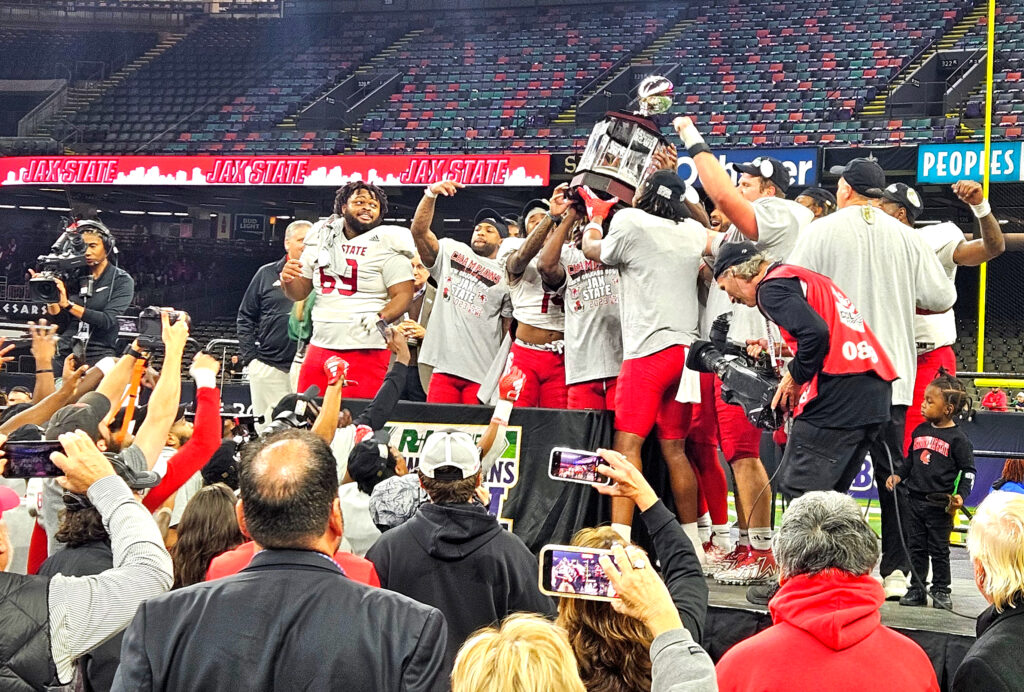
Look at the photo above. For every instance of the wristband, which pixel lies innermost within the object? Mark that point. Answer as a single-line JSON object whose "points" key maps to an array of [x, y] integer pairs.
{"points": [[596, 226], [691, 137], [428, 193], [981, 210], [555, 220], [135, 353], [502, 410], [698, 148], [203, 378], [44, 370], [106, 364]]}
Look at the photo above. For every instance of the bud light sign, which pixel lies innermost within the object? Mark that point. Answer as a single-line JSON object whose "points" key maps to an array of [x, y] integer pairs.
{"points": [[803, 164]]}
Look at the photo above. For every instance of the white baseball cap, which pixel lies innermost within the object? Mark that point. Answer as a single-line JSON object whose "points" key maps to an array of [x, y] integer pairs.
{"points": [[449, 456]]}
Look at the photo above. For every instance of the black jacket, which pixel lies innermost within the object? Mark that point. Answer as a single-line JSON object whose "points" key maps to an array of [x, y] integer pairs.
{"points": [[96, 668], [994, 662], [26, 659], [289, 621], [262, 322], [680, 567], [112, 293], [458, 559]]}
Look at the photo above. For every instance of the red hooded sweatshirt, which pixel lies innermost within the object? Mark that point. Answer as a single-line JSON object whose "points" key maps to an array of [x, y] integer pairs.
{"points": [[828, 635]]}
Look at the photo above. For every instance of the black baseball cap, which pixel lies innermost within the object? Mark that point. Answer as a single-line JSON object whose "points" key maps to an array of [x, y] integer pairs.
{"points": [[529, 207], [21, 389], [368, 461], [822, 197], [732, 254], [493, 218], [865, 176], [768, 168], [906, 197], [670, 186], [86, 414]]}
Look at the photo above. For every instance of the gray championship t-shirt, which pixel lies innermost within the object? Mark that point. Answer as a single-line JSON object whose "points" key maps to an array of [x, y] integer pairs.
{"points": [[658, 262], [593, 331], [779, 223], [887, 270], [465, 325]]}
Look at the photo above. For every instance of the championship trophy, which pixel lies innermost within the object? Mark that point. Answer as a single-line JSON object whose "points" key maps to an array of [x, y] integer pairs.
{"points": [[622, 145]]}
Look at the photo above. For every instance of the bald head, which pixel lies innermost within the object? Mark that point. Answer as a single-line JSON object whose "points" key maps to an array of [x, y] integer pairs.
{"points": [[288, 483]]}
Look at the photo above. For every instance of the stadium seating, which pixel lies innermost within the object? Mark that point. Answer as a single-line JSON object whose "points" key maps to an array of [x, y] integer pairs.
{"points": [[67, 53], [509, 79], [225, 74], [476, 80], [1008, 85]]}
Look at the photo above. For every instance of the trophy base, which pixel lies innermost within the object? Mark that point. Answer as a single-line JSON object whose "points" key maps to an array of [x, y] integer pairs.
{"points": [[602, 183]]}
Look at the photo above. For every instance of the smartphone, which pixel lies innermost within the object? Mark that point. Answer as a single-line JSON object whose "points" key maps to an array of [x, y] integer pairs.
{"points": [[576, 467], [382, 327], [570, 572], [31, 459]]}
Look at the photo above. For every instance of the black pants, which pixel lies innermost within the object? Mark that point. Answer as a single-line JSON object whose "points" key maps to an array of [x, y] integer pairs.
{"points": [[822, 458], [928, 529], [886, 452]]}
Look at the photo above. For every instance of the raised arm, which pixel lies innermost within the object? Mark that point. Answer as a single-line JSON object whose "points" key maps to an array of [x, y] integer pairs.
{"points": [[44, 347], [326, 422], [716, 181], [206, 434], [42, 411], [991, 244], [516, 263], [163, 404], [549, 262], [426, 241], [593, 233]]}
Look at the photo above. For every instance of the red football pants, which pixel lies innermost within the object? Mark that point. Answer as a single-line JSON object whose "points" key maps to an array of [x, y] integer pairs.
{"points": [[366, 367], [545, 377], [646, 395], [595, 394], [702, 451], [928, 365], [449, 389]]}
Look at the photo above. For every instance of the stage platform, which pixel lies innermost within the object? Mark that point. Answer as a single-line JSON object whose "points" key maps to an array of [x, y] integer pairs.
{"points": [[944, 636]]}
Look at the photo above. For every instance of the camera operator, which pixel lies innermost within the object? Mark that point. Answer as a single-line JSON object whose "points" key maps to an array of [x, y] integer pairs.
{"points": [[93, 317], [838, 384]]}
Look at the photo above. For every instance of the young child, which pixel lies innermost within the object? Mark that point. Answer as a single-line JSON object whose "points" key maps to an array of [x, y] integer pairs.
{"points": [[941, 460]]}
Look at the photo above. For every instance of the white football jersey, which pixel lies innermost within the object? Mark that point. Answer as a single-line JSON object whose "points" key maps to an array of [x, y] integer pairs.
{"points": [[533, 303], [351, 279], [936, 330]]}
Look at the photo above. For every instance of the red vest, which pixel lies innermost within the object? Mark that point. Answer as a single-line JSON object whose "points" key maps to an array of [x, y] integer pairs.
{"points": [[852, 346]]}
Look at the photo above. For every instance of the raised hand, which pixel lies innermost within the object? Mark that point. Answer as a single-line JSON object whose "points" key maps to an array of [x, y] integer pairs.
{"points": [[446, 188], [336, 369], [597, 208], [510, 386]]}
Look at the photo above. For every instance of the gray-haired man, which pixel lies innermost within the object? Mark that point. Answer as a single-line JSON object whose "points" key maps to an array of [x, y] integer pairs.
{"points": [[827, 612], [262, 327]]}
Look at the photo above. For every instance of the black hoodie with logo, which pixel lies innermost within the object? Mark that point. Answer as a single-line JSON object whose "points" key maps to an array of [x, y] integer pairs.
{"points": [[457, 558]]}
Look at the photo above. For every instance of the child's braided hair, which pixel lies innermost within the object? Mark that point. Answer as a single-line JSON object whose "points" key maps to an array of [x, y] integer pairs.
{"points": [[953, 393]]}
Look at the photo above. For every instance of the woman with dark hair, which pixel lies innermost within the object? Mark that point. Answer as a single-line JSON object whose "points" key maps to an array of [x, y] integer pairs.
{"points": [[613, 649], [208, 527]]}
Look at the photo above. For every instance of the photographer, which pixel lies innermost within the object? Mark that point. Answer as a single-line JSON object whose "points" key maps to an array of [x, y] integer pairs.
{"points": [[92, 317], [838, 384]]}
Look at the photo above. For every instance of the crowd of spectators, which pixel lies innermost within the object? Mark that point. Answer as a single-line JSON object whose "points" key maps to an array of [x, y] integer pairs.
{"points": [[297, 549]]}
